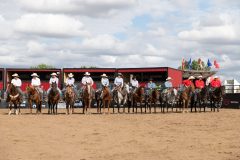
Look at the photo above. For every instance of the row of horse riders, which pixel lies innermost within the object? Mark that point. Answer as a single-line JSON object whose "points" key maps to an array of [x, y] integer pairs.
{"points": [[119, 82]]}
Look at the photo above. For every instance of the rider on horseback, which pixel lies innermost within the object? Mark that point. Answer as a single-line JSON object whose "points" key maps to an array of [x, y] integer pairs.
{"points": [[52, 80], [87, 80], [134, 84], [35, 82], [187, 83], [104, 80], [70, 82], [199, 84], [168, 85], [16, 81], [216, 83], [118, 82], [150, 86]]}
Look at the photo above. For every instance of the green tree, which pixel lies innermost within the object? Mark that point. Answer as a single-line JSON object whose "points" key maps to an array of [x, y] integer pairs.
{"points": [[43, 66]]}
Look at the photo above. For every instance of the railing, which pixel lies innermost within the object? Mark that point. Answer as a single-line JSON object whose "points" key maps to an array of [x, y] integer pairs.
{"points": [[232, 88]]}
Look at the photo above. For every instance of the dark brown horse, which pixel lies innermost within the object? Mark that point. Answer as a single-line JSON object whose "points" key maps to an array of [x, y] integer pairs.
{"points": [[216, 98], [87, 98], [70, 98], [53, 99], [185, 97], [151, 99], [34, 97], [14, 99], [137, 97], [106, 98]]}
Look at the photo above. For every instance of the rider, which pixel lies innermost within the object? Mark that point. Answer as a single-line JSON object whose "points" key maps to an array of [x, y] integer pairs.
{"points": [[199, 84], [104, 80], [118, 82], [70, 82], [35, 82], [168, 85], [188, 82], [16, 81], [53, 79], [150, 85], [134, 83], [87, 80], [216, 83]]}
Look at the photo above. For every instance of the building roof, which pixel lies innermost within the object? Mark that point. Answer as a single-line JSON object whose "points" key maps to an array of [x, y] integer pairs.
{"points": [[195, 73]]}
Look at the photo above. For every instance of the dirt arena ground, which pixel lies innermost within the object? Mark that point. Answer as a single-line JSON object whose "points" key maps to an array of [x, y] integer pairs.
{"points": [[172, 136]]}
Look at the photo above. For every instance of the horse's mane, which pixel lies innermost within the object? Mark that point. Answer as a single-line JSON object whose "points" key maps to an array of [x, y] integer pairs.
{"points": [[138, 91]]}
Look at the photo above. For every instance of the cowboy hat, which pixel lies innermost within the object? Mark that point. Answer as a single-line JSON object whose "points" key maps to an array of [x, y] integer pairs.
{"points": [[216, 77], [87, 74], [169, 78], [34, 75], [54, 74], [120, 74], [70, 75], [15, 75], [191, 77], [104, 75], [200, 76]]}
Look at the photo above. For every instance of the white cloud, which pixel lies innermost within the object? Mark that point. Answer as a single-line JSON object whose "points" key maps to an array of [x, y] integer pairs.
{"points": [[50, 25]]}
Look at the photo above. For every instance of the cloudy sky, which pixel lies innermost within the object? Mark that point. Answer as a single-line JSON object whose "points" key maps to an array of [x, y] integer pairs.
{"points": [[120, 33]]}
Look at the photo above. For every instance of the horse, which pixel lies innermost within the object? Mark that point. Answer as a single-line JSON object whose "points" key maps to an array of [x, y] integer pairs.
{"points": [[151, 98], [137, 97], [200, 99], [14, 99], [34, 97], [185, 96], [106, 98], [169, 98], [87, 98], [98, 100], [216, 97], [53, 99], [120, 97], [70, 98]]}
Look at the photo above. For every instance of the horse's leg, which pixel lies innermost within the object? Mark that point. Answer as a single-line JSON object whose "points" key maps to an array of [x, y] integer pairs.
{"points": [[30, 106], [10, 108], [104, 103]]}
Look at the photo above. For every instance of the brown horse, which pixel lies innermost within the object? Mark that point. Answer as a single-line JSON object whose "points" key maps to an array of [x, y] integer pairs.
{"points": [[185, 96], [34, 97], [137, 97], [14, 99], [70, 98], [106, 98], [216, 98], [53, 99], [87, 98], [152, 98]]}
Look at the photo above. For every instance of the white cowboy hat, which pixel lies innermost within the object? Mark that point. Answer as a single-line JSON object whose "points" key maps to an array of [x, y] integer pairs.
{"points": [[87, 74], [70, 75], [34, 75], [168, 78], [200, 76], [191, 77], [216, 77], [15, 75], [120, 74], [54, 74], [104, 75]]}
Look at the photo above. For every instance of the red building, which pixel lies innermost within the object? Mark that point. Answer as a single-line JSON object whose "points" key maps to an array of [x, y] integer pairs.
{"points": [[1, 78], [95, 74], [158, 74], [25, 76]]}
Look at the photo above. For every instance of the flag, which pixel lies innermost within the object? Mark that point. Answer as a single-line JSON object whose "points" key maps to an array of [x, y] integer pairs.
{"points": [[183, 64], [209, 63], [216, 64], [200, 64], [190, 64]]}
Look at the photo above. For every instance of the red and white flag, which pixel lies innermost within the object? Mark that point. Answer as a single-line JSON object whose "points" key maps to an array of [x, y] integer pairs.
{"points": [[216, 64]]}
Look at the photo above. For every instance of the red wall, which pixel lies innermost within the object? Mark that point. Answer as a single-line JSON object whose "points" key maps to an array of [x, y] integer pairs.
{"points": [[176, 76], [1, 85]]}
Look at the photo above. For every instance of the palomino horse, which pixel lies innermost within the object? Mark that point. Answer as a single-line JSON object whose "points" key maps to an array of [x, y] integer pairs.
{"points": [[70, 98], [185, 96], [106, 98], [151, 98], [53, 99], [14, 99], [120, 97], [87, 98], [216, 97], [34, 97], [137, 97]]}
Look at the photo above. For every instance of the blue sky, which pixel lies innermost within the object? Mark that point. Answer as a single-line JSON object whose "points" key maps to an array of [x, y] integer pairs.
{"points": [[120, 33]]}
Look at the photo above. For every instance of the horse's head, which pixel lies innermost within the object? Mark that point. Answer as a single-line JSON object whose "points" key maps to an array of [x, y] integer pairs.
{"points": [[30, 89], [12, 89], [140, 91]]}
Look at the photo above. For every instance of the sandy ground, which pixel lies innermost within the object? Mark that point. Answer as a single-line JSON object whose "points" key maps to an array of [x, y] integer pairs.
{"points": [[173, 136]]}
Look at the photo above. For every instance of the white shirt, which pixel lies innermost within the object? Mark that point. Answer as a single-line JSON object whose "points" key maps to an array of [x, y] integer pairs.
{"points": [[134, 83], [86, 80], [105, 81], [35, 82], [16, 82], [209, 80], [127, 88], [70, 81], [118, 81], [55, 79]]}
